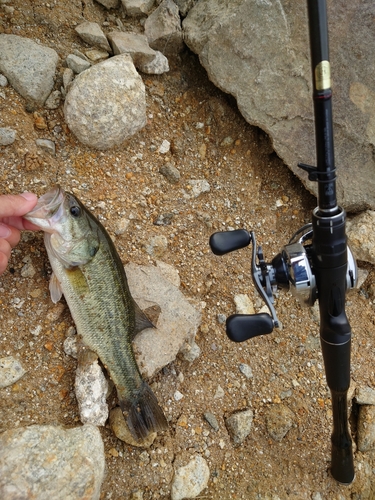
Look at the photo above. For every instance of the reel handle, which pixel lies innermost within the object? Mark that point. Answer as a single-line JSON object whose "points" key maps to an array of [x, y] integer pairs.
{"points": [[228, 241], [241, 327]]}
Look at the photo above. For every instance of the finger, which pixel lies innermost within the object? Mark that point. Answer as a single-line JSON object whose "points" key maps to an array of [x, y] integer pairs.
{"points": [[3, 262], [17, 204], [14, 237], [5, 250], [17, 222]]}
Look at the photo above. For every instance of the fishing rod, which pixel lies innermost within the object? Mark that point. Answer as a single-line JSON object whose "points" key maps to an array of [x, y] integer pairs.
{"points": [[316, 264]]}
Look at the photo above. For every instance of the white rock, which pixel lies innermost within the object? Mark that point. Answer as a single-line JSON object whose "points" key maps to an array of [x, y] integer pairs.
{"points": [[177, 324], [243, 304], [157, 66], [163, 29], [239, 425], [49, 462], [122, 431], [91, 389], [190, 480], [11, 370], [199, 186], [29, 67], [3, 81], [47, 146], [77, 64], [135, 8], [219, 392], [114, 93], [133, 44], [191, 352], [246, 370], [53, 100], [122, 226], [361, 236], [7, 136], [279, 419], [366, 428], [68, 77], [70, 346], [164, 147], [92, 34], [365, 395], [178, 396], [157, 245], [96, 55]]}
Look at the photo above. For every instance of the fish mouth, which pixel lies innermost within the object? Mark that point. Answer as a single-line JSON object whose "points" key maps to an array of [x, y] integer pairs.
{"points": [[48, 209]]}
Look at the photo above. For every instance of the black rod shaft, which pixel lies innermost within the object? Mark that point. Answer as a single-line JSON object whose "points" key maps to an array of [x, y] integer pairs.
{"points": [[322, 95], [329, 250]]}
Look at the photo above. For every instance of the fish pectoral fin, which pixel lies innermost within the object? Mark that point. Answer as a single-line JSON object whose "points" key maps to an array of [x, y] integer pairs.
{"points": [[141, 320], [55, 289]]}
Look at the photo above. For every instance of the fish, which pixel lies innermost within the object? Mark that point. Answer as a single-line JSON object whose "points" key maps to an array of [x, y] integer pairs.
{"points": [[88, 271]]}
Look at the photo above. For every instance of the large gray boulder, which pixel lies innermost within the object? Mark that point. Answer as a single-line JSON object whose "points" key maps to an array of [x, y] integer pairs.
{"points": [[259, 52], [48, 462], [29, 67]]}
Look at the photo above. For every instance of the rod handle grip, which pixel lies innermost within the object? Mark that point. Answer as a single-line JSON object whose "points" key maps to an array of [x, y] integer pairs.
{"points": [[342, 466], [241, 327]]}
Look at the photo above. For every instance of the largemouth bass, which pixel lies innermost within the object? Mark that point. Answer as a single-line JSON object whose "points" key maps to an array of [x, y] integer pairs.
{"points": [[88, 271]]}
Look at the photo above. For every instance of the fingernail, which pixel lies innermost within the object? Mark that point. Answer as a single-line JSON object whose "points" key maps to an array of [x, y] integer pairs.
{"points": [[28, 196], [4, 231]]}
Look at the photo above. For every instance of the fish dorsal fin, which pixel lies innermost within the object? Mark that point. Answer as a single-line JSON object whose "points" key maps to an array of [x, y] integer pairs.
{"points": [[55, 289], [141, 320]]}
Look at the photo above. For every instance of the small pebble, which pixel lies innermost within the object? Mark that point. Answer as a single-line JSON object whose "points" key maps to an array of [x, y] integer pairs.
{"points": [[53, 100], [39, 122], [246, 370], [221, 318], [28, 270], [68, 77], [47, 146], [11, 370], [170, 173], [191, 352], [178, 396], [3, 81], [77, 64], [121, 226], [198, 187], [7, 136], [212, 420], [164, 147], [239, 425], [279, 420], [219, 392]]}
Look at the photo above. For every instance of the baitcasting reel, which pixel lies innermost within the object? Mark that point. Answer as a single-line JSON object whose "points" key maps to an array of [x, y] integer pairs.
{"points": [[290, 269]]}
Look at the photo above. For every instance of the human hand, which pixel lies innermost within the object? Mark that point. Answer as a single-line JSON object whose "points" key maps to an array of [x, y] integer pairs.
{"points": [[12, 208]]}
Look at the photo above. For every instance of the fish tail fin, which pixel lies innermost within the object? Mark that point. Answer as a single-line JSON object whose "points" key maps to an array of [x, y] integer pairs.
{"points": [[144, 414]]}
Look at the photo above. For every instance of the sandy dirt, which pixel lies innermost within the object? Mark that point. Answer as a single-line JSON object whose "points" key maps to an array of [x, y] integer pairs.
{"points": [[250, 188]]}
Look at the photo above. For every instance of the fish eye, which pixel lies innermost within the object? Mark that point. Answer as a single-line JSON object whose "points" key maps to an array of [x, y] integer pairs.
{"points": [[75, 211]]}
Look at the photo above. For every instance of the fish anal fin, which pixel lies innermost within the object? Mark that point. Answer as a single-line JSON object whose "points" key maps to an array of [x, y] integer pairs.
{"points": [[141, 320], [55, 289]]}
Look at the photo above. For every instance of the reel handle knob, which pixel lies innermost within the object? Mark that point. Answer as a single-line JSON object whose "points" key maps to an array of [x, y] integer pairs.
{"points": [[227, 241], [241, 327]]}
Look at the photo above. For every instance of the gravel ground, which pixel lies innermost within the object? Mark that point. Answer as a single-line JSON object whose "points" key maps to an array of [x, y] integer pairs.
{"points": [[250, 187]]}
